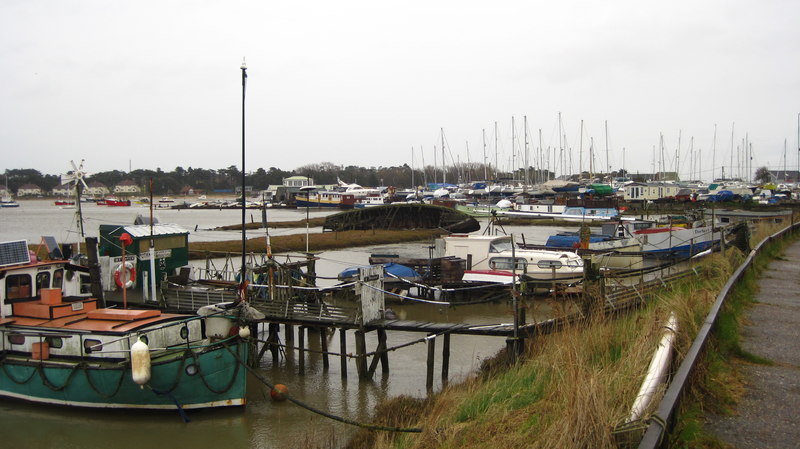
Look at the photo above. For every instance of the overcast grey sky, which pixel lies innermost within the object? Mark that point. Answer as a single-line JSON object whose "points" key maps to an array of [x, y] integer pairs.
{"points": [[157, 83]]}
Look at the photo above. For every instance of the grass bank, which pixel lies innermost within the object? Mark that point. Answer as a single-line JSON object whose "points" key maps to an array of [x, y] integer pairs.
{"points": [[575, 388], [317, 242], [312, 222]]}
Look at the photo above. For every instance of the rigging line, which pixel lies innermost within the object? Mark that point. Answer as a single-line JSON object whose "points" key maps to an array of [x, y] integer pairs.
{"points": [[426, 301], [440, 289]]}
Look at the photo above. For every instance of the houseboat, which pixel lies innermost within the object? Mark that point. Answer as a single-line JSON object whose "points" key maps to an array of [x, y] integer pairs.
{"points": [[325, 198], [60, 346], [499, 259]]}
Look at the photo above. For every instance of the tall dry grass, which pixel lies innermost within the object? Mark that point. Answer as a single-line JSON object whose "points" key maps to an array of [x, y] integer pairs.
{"points": [[574, 389]]}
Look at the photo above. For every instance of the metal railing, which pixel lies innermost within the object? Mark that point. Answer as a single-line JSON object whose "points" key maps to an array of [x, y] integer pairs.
{"points": [[653, 437]]}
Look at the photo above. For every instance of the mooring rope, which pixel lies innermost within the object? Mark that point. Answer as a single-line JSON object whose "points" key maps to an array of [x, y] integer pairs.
{"points": [[349, 354], [410, 298], [341, 419]]}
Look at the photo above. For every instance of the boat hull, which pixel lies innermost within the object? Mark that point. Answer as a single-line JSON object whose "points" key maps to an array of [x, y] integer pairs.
{"points": [[219, 381]]}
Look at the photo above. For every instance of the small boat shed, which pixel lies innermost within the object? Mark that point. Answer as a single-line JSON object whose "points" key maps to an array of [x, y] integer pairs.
{"points": [[171, 252]]}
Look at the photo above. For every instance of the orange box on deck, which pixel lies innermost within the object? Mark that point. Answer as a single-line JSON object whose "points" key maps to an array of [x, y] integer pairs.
{"points": [[122, 314], [35, 309], [41, 351], [50, 295]]}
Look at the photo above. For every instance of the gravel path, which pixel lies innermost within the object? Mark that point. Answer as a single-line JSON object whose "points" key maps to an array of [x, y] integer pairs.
{"points": [[768, 415]]}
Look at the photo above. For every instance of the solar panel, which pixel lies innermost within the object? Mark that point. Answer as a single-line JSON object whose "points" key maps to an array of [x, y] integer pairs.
{"points": [[52, 247], [13, 253]]}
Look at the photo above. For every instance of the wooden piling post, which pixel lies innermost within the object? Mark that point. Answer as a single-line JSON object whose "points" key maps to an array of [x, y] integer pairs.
{"points": [[361, 358], [445, 359], [288, 331], [431, 355], [343, 352], [253, 346], [273, 341], [301, 340], [323, 343], [384, 354]]}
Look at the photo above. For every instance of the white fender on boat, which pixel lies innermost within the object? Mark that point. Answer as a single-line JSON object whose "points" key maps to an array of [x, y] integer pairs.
{"points": [[658, 370], [244, 331], [140, 363]]}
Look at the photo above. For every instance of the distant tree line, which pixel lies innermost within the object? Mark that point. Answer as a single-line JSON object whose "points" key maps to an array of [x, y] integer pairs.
{"points": [[210, 180]]}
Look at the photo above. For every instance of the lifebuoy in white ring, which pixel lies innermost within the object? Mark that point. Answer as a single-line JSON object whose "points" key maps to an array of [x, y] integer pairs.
{"points": [[130, 276]]}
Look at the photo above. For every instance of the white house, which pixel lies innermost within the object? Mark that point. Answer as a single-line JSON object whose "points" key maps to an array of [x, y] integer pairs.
{"points": [[29, 190], [64, 190], [97, 189], [640, 191], [127, 187], [298, 181]]}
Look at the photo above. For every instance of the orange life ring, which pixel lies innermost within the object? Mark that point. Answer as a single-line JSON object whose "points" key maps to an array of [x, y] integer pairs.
{"points": [[130, 277]]}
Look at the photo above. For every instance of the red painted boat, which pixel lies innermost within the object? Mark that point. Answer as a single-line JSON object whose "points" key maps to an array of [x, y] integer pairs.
{"points": [[116, 202]]}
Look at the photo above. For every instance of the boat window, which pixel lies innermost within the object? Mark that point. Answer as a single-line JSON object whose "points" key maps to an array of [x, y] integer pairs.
{"points": [[505, 263], [16, 339], [55, 342], [90, 346], [58, 278], [86, 284], [42, 280], [500, 245], [18, 286]]}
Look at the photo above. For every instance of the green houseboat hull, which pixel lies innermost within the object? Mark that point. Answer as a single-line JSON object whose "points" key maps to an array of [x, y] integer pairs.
{"points": [[191, 378]]}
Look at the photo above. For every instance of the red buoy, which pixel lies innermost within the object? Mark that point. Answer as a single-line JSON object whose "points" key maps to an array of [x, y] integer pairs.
{"points": [[279, 392]]}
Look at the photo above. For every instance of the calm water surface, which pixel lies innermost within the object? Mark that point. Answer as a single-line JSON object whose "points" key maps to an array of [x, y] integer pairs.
{"points": [[263, 423]]}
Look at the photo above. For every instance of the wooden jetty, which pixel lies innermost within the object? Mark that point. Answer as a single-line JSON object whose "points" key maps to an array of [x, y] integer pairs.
{"points": [[297, 304]]}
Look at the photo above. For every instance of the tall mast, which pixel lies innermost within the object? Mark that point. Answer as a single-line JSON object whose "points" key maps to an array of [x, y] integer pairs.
{"points": [[525, 126], [730, 169], [608, 161], [560, 144], [244, 237], [784, 160], [513, 152], [678, 157], [591, 159], [443, 163], [661, 157], [496, 162], [469, 167], [424, 168], [435, 165], [539, 176], [485, 174], [691, 158], [413, 185], [714, 156], [580, 153]]}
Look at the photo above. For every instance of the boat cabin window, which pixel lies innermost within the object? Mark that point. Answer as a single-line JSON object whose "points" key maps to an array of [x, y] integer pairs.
{"points": [[506, 263], [90, 346], [58, 278], [18, 286], [498, 246], [55, 342], [42, 280], [86, 284]]}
